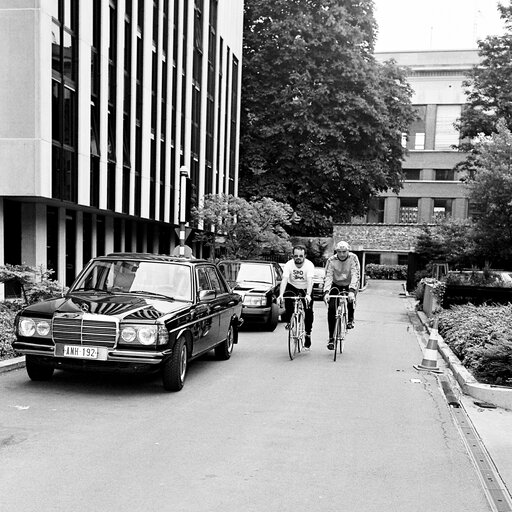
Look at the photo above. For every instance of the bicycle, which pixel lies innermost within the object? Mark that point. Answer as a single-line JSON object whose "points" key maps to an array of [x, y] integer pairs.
{"points": [[297, 328], [340, 327]]}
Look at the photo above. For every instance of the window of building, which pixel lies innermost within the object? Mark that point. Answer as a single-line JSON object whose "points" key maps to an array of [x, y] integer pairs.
{"points": [[64, 100], [376, 210], [442, 208], [408, 210], [416, 134], [403, 259], [411, 174], [70, 246], [233, 121], [444, 175], [446, 134], [372, 259]]}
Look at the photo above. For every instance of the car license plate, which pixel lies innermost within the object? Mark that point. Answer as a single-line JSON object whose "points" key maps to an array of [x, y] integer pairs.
{"points": [[80, 352]]}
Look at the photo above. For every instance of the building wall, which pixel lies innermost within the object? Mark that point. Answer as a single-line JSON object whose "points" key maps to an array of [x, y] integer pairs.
{"points": [[90, 154], [431, 189]]}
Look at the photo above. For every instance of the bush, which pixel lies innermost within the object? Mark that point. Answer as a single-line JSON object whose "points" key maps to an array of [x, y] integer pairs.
{"points": [[7, 315], [481, 336], [374, 271], [36, 285], [438, 289]]}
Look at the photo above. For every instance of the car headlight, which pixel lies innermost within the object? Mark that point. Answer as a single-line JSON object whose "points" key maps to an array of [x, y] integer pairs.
{"points": [[255, 300], [147, 335], [144, 334], [34, 326]]}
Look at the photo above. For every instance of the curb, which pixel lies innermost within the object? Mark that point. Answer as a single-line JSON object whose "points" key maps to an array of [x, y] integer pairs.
{"points": [[500, 396], [12, 364]]}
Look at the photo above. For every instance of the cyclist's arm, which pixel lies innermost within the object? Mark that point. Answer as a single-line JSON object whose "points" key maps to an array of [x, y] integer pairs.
{"points": [[354, 274], [282, 288], [328, 276]]}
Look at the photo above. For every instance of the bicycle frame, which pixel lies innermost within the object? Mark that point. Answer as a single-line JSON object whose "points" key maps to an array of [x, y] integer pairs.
{"points": [[340, 327], [297, 330]]}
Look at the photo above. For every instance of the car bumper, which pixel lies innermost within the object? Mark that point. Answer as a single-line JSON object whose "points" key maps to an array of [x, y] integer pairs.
{"points": [[256, 314], [106, 355]]}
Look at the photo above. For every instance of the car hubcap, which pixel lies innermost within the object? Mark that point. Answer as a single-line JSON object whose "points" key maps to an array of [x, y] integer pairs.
{"points": [[183, 363], [229, 340]]}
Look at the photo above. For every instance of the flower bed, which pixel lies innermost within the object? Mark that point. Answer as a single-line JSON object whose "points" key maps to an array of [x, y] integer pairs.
{"points": [[481, 337]]}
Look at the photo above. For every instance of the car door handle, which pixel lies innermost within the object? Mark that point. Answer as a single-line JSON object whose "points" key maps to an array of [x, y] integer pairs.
{"points": [[216, 308]]}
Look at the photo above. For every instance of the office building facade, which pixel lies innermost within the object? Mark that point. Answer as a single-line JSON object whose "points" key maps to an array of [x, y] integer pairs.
{"points": [[432, 188], [101, 104]]}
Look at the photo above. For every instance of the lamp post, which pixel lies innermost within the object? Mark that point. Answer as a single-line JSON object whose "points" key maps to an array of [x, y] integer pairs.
{"points": [[183, 206]]}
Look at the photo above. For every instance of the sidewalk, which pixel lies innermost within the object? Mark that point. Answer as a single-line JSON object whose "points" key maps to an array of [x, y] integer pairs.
{"points": [[493, 425]]}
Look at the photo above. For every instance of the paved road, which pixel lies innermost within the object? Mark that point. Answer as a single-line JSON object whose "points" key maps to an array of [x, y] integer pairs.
{"points": [[256, 433]]}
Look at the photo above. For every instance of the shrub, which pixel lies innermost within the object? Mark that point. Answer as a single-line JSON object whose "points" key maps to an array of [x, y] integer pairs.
{"points": [[438, 289], [374, 271], [36, 285], [7, 315], [481, 336]]}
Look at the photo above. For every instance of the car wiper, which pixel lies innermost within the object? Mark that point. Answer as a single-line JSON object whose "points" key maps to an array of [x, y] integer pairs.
{"points": [[153, 294], [90, 289], [253, 281]]}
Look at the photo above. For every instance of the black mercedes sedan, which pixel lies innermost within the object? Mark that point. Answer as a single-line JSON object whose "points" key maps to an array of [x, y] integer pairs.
{"points": [[132, 311], [258, 283]]}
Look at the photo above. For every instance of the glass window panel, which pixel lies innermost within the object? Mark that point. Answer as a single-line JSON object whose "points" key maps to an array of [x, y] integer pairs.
{"points": [[412, 174], [446, 134], [53, 8], [444, 175], [67, 12], [419, 141], [56, 121], [70, 117], [68, 48], [416, 135], [56, 48], [408, 210]]}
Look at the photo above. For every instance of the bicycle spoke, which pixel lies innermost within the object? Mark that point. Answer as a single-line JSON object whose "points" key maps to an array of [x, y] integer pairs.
{"points": [[292, 338]]}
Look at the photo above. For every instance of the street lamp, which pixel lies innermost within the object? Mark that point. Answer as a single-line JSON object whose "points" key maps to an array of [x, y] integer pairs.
{"points": [[183, 208]]}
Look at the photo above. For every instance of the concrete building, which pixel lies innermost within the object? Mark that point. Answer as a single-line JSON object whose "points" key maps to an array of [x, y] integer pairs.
{"points": [[431, 189], [101, 103]]}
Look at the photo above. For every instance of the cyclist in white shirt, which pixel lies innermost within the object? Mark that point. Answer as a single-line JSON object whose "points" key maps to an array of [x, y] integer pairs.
{"points": [[298, 278]]}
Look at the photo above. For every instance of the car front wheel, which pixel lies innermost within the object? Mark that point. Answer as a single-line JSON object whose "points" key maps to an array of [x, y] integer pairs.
{"points": [[37, 370], [174, 369]]}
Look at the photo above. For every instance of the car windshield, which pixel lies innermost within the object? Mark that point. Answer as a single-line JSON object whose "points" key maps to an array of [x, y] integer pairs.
{"points": [[244, 272], [171, 280]]}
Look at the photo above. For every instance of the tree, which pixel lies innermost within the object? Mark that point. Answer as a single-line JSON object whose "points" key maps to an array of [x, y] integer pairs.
{"points": [[449, 240], [244, 229], [321, 119], [488, 87], [490, 189]]}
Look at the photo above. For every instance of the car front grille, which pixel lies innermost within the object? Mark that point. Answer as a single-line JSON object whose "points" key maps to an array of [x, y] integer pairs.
{"points": [[84, 331]]}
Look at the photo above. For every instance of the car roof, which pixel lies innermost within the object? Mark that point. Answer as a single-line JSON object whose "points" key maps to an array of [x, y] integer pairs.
{"points": [[146, 256]]}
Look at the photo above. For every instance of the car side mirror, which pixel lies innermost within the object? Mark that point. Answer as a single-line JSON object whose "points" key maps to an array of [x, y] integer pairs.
{"points": [[206, 295]]}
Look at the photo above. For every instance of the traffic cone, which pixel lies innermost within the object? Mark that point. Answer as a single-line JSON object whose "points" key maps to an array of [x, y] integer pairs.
{"points": [[429, 362]]}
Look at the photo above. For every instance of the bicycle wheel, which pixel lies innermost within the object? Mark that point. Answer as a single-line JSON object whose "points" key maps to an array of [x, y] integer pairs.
{"points": [[293, 340], [301, 328], [343, 327], [336, 336]]}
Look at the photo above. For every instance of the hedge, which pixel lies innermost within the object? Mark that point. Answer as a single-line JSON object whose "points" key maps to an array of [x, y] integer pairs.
{"points": [[374, 271], [481, 337]]}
